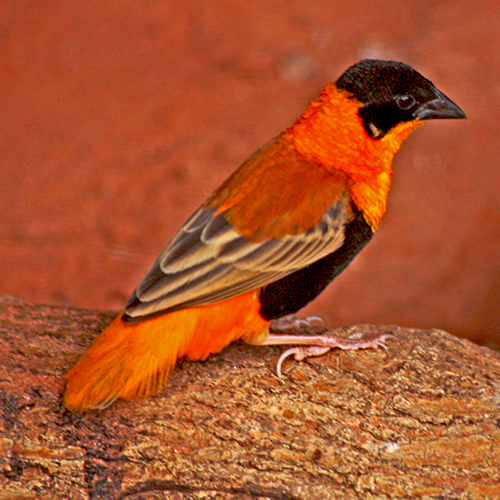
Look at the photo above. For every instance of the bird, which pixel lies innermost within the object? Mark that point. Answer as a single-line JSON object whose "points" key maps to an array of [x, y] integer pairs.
{"points": [[267, 241]]}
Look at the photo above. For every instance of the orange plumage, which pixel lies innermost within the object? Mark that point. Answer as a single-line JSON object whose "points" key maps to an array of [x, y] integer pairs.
{"points": [[269, 239], [130, 361]]}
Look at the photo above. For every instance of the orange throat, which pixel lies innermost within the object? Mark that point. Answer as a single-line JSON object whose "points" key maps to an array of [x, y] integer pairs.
{"points": [[331, 133]]}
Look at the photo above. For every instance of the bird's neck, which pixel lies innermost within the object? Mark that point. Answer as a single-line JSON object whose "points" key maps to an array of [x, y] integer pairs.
{"points": [[331, 134]]}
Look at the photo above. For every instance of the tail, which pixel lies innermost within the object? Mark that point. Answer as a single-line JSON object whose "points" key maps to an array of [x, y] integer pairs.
{"points": [[126, 361], [132, 360]]}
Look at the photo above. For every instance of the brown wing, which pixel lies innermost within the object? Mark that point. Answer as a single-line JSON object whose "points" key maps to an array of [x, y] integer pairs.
{"points": [[209, 261]]}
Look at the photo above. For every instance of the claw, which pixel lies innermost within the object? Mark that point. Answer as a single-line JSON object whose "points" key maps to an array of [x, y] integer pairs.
{"points": [[319, 319], [282, 358], [380, 341], [291, 322], [299, 354], [323, 344]]}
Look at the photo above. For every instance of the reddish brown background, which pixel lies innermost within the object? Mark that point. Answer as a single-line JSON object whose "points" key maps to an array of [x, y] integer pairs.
{"points": [[118, 118]]}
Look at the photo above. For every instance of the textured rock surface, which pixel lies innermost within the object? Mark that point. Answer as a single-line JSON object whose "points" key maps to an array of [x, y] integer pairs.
{"points": [[120, 117], [420, 420]]}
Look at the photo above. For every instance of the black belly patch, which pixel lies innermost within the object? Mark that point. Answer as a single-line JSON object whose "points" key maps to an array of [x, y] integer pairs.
{"points": [[293, 292]]}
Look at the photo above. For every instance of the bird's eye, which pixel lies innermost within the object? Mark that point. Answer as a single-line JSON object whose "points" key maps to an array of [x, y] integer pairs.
{"points": [[405, 101]]}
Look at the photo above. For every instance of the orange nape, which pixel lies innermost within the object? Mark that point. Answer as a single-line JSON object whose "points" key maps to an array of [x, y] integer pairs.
{"points": [[132, 360]]}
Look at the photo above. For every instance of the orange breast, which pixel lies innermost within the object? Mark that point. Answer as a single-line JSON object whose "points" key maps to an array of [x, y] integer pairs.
{"points": [[331, 134]]}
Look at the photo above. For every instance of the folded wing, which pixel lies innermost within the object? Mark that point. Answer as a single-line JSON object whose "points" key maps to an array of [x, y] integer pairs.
{"points": [[208, 261]]}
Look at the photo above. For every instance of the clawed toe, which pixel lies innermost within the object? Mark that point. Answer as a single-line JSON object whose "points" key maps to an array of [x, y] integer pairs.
{"points": [[299, 354], [321, 344], [291, 322]]}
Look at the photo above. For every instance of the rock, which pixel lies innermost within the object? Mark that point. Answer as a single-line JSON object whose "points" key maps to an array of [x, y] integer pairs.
{"points": [[419, 420]]}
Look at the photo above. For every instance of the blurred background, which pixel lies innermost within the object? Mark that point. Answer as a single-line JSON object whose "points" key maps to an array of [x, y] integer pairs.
{"points": [[119, 118]]}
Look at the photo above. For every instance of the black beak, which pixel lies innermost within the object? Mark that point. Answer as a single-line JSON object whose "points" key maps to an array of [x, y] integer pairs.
{"points": [[438, 108]]}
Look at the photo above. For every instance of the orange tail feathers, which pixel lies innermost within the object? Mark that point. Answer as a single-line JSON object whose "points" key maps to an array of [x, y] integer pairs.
{"points": [[125, 361], [132, 360]]}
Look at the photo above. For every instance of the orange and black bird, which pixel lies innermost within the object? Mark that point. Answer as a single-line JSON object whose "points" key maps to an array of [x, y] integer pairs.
{"points": [[268, 240]]}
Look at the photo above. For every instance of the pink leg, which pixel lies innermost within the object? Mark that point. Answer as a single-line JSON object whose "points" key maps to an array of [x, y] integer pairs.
{"points": [[318, 345]]}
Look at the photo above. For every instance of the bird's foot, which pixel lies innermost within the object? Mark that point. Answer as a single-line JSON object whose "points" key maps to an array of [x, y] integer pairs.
{"points": [[317, 345], [291, 322]]}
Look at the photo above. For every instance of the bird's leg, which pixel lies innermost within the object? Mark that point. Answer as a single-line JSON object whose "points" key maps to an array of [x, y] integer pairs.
{"points": [[317, 345], [291, 322]]}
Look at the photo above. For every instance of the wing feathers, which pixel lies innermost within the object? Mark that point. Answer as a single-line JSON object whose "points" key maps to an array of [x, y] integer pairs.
{"points": [[209, 261]]}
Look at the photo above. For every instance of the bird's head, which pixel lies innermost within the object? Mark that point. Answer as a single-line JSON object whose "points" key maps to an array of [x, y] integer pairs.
{"points": [[391, 93]]}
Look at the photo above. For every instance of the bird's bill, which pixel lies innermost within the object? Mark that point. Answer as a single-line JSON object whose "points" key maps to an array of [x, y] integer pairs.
{"points": [[439, 108]]}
